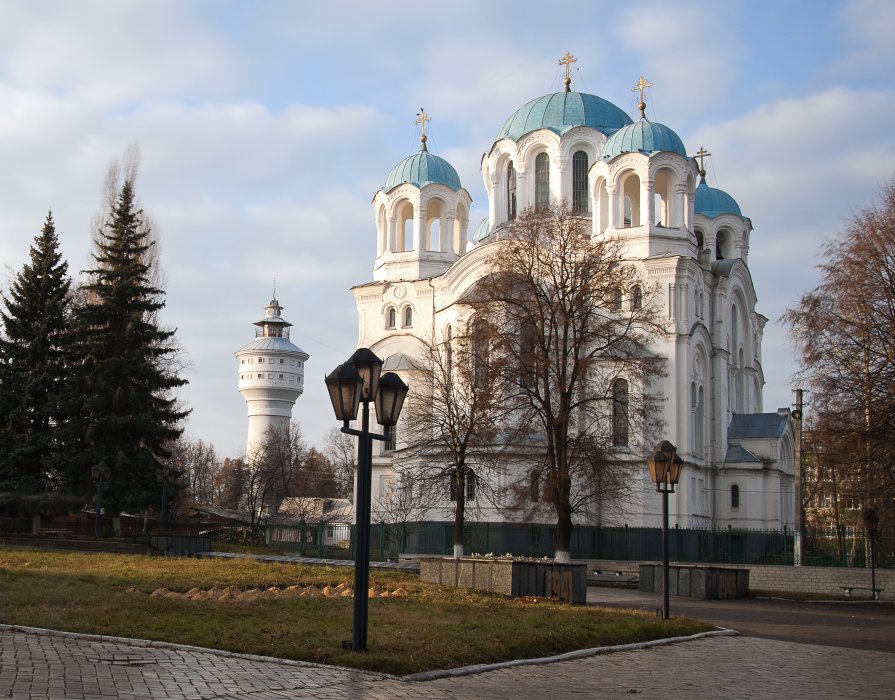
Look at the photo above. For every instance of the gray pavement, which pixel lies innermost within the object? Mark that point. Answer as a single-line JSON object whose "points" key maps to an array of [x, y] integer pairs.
{"points": [[853, 659]]}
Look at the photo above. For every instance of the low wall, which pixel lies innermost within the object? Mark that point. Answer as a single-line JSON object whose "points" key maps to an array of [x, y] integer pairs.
{"points": [[815, 580]]}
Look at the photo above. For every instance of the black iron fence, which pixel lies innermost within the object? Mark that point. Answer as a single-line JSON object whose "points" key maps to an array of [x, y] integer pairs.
{"points": [[722, 546]]}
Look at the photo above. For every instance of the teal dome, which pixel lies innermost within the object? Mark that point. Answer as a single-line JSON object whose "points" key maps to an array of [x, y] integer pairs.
{"points": [[562, 111], [482, 230], [643, 136], [712, 202], [423, 169]]}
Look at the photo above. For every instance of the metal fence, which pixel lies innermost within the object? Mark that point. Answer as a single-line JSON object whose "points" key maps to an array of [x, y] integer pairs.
{"points": [[723, 546]]}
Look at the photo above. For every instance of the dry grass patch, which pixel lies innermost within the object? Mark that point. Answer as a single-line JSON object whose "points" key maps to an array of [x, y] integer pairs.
{"points": [[260, 609]]}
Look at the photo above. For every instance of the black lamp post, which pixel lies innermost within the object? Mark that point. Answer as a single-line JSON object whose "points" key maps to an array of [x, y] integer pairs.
{"points": [[350, 384], [871, 527], [665, 470], [100, 473]]}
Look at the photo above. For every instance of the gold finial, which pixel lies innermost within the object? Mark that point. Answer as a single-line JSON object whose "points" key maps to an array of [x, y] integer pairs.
{"points": [[701, 154], [421, 119], [641, 85], [567, 61]]}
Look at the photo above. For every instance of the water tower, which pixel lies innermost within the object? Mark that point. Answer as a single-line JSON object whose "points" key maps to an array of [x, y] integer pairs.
{"points": [[271, 376]]}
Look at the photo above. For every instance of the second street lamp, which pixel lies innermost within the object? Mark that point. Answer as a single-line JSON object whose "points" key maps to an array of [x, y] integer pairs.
{"points": [[665, 470], [350, 384]]}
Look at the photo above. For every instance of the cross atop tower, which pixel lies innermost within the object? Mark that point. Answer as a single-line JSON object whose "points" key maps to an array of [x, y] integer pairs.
{"points": [[701, 154], [421, 119], [641, 85], [567, 61]]}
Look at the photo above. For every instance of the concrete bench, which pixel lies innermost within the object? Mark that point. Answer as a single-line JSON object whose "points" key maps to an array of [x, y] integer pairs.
{"points": [[874, 591]]}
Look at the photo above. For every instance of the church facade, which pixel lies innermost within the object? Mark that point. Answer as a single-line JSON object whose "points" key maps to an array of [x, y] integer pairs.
{"points": [[634, 181]]}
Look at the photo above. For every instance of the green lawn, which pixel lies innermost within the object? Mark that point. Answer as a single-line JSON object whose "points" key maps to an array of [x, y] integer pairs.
{"points": [[429, 628]]}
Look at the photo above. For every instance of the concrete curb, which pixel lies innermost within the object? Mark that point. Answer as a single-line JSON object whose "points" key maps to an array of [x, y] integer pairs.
{"points": [[568, 656], [413, 678]]}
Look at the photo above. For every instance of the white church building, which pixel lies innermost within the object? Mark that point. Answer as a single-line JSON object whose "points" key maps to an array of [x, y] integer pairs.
{"points": [[634, 180]]}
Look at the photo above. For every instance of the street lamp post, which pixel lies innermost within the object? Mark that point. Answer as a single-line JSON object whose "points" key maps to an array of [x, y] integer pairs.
{"points": [[871, 527], [665, 470], [350, 384], [100, 473]]}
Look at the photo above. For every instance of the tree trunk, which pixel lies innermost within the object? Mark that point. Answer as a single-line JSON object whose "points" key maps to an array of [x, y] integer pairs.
{"points": [[563, 537], [459, 513]]}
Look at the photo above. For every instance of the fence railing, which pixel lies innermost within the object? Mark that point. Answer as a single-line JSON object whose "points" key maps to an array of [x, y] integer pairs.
{"points": [[722, 546]]}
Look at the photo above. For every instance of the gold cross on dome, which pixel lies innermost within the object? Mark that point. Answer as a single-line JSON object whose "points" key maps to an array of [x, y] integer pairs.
{"points": [[701, 154], [641, 85], [421, 119], [567, 61]]}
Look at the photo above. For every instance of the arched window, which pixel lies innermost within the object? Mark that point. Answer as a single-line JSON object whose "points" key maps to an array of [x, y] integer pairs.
{"points": [[620, 423], [740, 387], [391, 318], [542, 181], [470, 482], [534, 486], [616, 299], [699, 423], [480, 354], [636, 297], [391, 438], [511, 191], [408, 317], [700, 240], [449, 352], [579, 182], [720, 245], [734, 496]]}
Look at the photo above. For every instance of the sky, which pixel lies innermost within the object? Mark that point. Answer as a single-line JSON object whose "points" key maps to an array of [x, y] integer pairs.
{"points": [[265, 128]]}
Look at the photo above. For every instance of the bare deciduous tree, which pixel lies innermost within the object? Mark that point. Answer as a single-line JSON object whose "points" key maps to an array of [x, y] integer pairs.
{"points": [[455, 418], [843, 333], [574, 324]]}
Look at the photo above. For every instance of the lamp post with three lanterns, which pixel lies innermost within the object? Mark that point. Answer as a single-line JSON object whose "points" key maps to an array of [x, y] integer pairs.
{"points": [[358, 381]]}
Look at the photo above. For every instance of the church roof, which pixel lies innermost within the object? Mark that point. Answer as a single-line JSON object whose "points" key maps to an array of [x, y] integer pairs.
{"points": [[643, 136], [757, 425], [423, 168], [562, 111], [712, 202]]}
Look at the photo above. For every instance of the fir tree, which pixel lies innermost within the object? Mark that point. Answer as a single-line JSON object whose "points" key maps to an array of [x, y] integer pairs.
{"points": [[33, 356], [127, 415]]}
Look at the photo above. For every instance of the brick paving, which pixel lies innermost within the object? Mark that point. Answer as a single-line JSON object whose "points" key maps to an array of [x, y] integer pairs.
{"points": [[54, 666]]}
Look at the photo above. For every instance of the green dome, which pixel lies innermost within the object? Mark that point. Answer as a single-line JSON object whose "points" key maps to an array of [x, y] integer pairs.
{"points": [[712, 202], [643, 136], [482, 230], [562, 111], [423, 169]]}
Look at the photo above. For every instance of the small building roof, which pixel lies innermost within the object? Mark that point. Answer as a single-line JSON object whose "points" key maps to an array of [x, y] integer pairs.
{"points": [[737, 454], [757, 425]]}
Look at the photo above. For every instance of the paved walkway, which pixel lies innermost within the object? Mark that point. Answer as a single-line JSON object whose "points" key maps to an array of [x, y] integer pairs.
{"points": [[54, 666]]}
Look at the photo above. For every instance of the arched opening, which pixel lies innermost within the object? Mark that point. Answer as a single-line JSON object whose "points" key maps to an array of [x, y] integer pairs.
{"points": [[480, 348], [408, 316], [449, 352], [620, 422], [631, 200], [663, 184], [511, 191], [405, 228], [740, 388], [542, 181], [602, 206], [391, 317], [636, 297], [470, 484], [579, 183], [381, 231], [734, 497], [723, 245], [434, 214], [616, 299], [700, 239]]}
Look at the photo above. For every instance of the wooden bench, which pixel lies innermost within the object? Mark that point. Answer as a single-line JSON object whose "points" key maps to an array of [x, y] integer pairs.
{"points": [[874, 591], [612, 579], [55, 533]]}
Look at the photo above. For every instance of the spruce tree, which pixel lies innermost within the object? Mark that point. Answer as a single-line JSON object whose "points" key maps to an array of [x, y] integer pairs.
{"points": [[127, 414], [33, 357]]}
